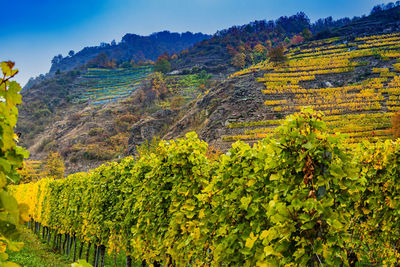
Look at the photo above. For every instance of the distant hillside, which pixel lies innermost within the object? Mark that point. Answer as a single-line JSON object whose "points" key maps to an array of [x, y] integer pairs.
{"points": [[383, 19], [239, 46], [132, 47], [218, 53]]}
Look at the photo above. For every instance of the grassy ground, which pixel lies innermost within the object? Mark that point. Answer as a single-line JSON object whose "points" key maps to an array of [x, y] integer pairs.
{"points": [[37, 253]]}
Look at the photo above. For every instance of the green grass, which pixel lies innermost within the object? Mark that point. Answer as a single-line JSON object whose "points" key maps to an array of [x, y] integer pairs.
{"points": [[37, 253]]}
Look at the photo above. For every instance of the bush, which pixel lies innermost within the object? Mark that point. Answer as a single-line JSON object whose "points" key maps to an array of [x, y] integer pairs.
{"points": [[162, 66], [277, 54], [96, 131]]}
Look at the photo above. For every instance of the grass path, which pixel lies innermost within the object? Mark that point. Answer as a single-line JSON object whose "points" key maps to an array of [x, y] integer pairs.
{"points": [[37, 253]]}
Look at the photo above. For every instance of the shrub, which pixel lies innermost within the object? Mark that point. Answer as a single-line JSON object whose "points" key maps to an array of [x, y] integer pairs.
{"points": [[277, 54], [96, 131]]}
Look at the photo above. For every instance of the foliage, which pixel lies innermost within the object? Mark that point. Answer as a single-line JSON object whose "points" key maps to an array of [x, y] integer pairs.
{"points": [[31, 171], [310, 209], [375, 229], [363, 110], [295, 198], [277, 54], [259, 48], [297, 39], [306, 34], [162, 65], [172, 177], [239, 193], [239, 60], [177, 102], [101, 61], [53, 166], [396, 125], [158, 85], [11, 157]]}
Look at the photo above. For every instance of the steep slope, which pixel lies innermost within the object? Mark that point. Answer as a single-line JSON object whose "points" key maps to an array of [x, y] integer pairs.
{"points": [[88, 117], [355, 83]]}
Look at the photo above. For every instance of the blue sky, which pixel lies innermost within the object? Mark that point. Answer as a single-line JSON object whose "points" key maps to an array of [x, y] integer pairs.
{"points": [[34, 31]]}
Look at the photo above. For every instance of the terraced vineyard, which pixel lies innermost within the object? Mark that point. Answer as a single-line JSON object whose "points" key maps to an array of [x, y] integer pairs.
{"points": [[362, 106], [99, 86]]}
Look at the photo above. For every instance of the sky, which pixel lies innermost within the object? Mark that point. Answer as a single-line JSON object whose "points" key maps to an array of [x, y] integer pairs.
{"points": [[34, 31]]}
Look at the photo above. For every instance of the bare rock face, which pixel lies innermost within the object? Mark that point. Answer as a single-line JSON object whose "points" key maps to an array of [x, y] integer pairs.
{"points": [[149, 127], [234, 100]]}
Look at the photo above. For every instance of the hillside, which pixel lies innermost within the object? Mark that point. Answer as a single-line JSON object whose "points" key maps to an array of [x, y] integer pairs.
{"points": [[89, 117], [93, 115], [355, 83], [217, 54], [381, 20], [132, 47]]}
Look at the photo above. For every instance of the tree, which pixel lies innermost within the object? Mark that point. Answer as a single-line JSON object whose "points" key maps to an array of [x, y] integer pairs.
{"points": [[159, 87], [231, 50], [259, 48], [126, 64], [389, 6], [162, 65], [268, 44], [239, 60], [54, 166], [286, 41], [297, 39], [177, 102], [377, 9], [306, 33], [71, 53], [162, 57], [277, 54], [57, 59], [102, 60]]}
